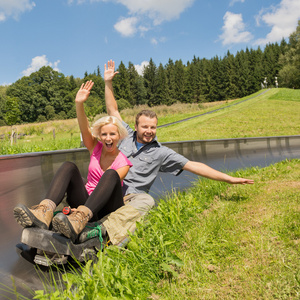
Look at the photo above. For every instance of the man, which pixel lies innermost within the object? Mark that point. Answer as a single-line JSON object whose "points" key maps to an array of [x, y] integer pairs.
{"points": [[148, 157]]}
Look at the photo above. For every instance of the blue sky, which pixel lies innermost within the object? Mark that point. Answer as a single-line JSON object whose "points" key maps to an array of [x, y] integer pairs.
{"points": [[75, 36]]}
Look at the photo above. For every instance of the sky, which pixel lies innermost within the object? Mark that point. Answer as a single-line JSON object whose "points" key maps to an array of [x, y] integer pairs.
{"points": [[77, 36]]}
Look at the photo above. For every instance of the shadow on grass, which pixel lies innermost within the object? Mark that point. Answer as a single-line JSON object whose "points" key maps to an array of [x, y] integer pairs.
{"points": [[235, 198]]}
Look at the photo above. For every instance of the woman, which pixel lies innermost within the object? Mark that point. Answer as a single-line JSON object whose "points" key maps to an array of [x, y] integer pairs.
{"points": [[102, 193]]}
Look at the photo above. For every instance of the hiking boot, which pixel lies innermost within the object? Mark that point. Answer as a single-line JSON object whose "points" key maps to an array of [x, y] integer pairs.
{"points": [[72, 225], [38, 215], [91, 231]]}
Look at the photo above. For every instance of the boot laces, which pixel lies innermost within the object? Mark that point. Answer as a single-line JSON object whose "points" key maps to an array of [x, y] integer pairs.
{"points": [[41, 207], [77, 216]]}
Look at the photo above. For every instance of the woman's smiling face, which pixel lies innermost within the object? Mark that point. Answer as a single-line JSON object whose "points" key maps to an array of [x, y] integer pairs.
{"points": [[109, 136]]}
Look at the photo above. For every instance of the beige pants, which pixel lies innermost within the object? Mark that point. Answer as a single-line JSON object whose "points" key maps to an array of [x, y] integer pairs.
{"points": [[124, 219]]}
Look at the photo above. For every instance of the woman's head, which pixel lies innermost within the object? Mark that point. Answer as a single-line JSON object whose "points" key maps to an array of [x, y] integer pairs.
{"points": [[96, 129]]}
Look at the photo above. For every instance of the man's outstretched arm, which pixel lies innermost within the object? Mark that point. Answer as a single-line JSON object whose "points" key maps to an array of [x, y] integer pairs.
{"points": [[110, 101], [208, 172]]}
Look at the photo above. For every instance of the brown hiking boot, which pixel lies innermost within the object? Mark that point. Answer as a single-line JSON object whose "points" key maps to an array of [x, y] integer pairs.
{"points": [[39, 215], [72, 225], [92, 230]]}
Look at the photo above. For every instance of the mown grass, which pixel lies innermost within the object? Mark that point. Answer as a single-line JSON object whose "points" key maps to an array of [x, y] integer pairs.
{"points": [[287, 95], [275, 112], [261, 116], [213, 241]]}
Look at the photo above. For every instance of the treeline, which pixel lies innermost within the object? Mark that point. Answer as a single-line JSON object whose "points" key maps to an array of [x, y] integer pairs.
{"points": [[48, 94]]}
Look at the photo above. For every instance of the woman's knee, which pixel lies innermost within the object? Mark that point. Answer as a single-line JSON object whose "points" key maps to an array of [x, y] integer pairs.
{"points": [[111, 173], [69, 164], [67, 167]]}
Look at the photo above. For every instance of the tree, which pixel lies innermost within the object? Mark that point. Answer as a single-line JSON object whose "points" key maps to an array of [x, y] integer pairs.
{"points": [[41, 88], [161, 95], [230, 87], [122, 84], [191, 76], [179, 85], [95, 103], [132, 78], [217, 90], [289, 75], [2, 109], [13, 113], [242, 74], [170, 75], [72, 83], [139, 90], [256, 70], [149, 80], [50, 112]]}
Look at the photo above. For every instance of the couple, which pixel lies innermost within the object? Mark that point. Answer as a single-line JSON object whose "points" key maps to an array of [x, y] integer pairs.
{"points": [[123, 166]]}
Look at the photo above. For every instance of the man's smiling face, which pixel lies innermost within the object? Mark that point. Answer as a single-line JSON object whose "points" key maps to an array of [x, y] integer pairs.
{"points": [[146, 129]]}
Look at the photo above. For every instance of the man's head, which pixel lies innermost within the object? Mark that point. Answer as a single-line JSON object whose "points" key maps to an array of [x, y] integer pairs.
{"points": [[145, 126]]}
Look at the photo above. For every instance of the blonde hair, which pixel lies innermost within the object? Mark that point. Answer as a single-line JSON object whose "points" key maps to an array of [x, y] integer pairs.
{"points": [[109, 120]]}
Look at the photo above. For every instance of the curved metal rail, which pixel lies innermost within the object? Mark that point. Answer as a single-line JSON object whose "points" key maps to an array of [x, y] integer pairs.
{"points": [[24, 179]]}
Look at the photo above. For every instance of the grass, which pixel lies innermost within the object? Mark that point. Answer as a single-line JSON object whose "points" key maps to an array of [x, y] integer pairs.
{"points": [[213, 241], [273, 113], [261, 116], [245, 245], [287, 95], [54, 135]]}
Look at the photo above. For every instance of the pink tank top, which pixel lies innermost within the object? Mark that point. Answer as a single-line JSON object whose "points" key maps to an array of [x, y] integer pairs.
{"points": [[95, 172]]}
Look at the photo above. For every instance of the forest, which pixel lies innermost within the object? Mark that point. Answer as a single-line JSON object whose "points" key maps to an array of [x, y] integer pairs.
{"points": [[49, 95]]}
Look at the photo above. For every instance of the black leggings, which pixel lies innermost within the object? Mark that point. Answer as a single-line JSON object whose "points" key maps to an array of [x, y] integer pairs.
{"points": [[106, 197]]}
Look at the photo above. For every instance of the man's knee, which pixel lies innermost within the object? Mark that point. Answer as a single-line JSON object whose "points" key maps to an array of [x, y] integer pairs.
{"points": [[142, 202]]}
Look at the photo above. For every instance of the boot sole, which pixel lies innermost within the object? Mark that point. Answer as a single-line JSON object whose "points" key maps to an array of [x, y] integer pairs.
{"points": [[26, 218], [62, 225]]}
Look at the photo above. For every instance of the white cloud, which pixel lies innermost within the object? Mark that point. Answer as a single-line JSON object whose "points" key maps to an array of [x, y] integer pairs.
{"points": [[154, 41], [142, 11], [282, 19], [157, 10], [234, 30], [2, 17], [14, 8], [38, 62], [232, 2], [127, 26], [140, 68], [84, 1]]}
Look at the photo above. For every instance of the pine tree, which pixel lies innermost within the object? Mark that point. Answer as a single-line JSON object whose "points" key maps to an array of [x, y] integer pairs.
{"points": [[150, 82], [122, 85], [179, 74], [161, 95], [289, 75], [230, 88], [132, 77], [170, 74], [191, 78]]}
